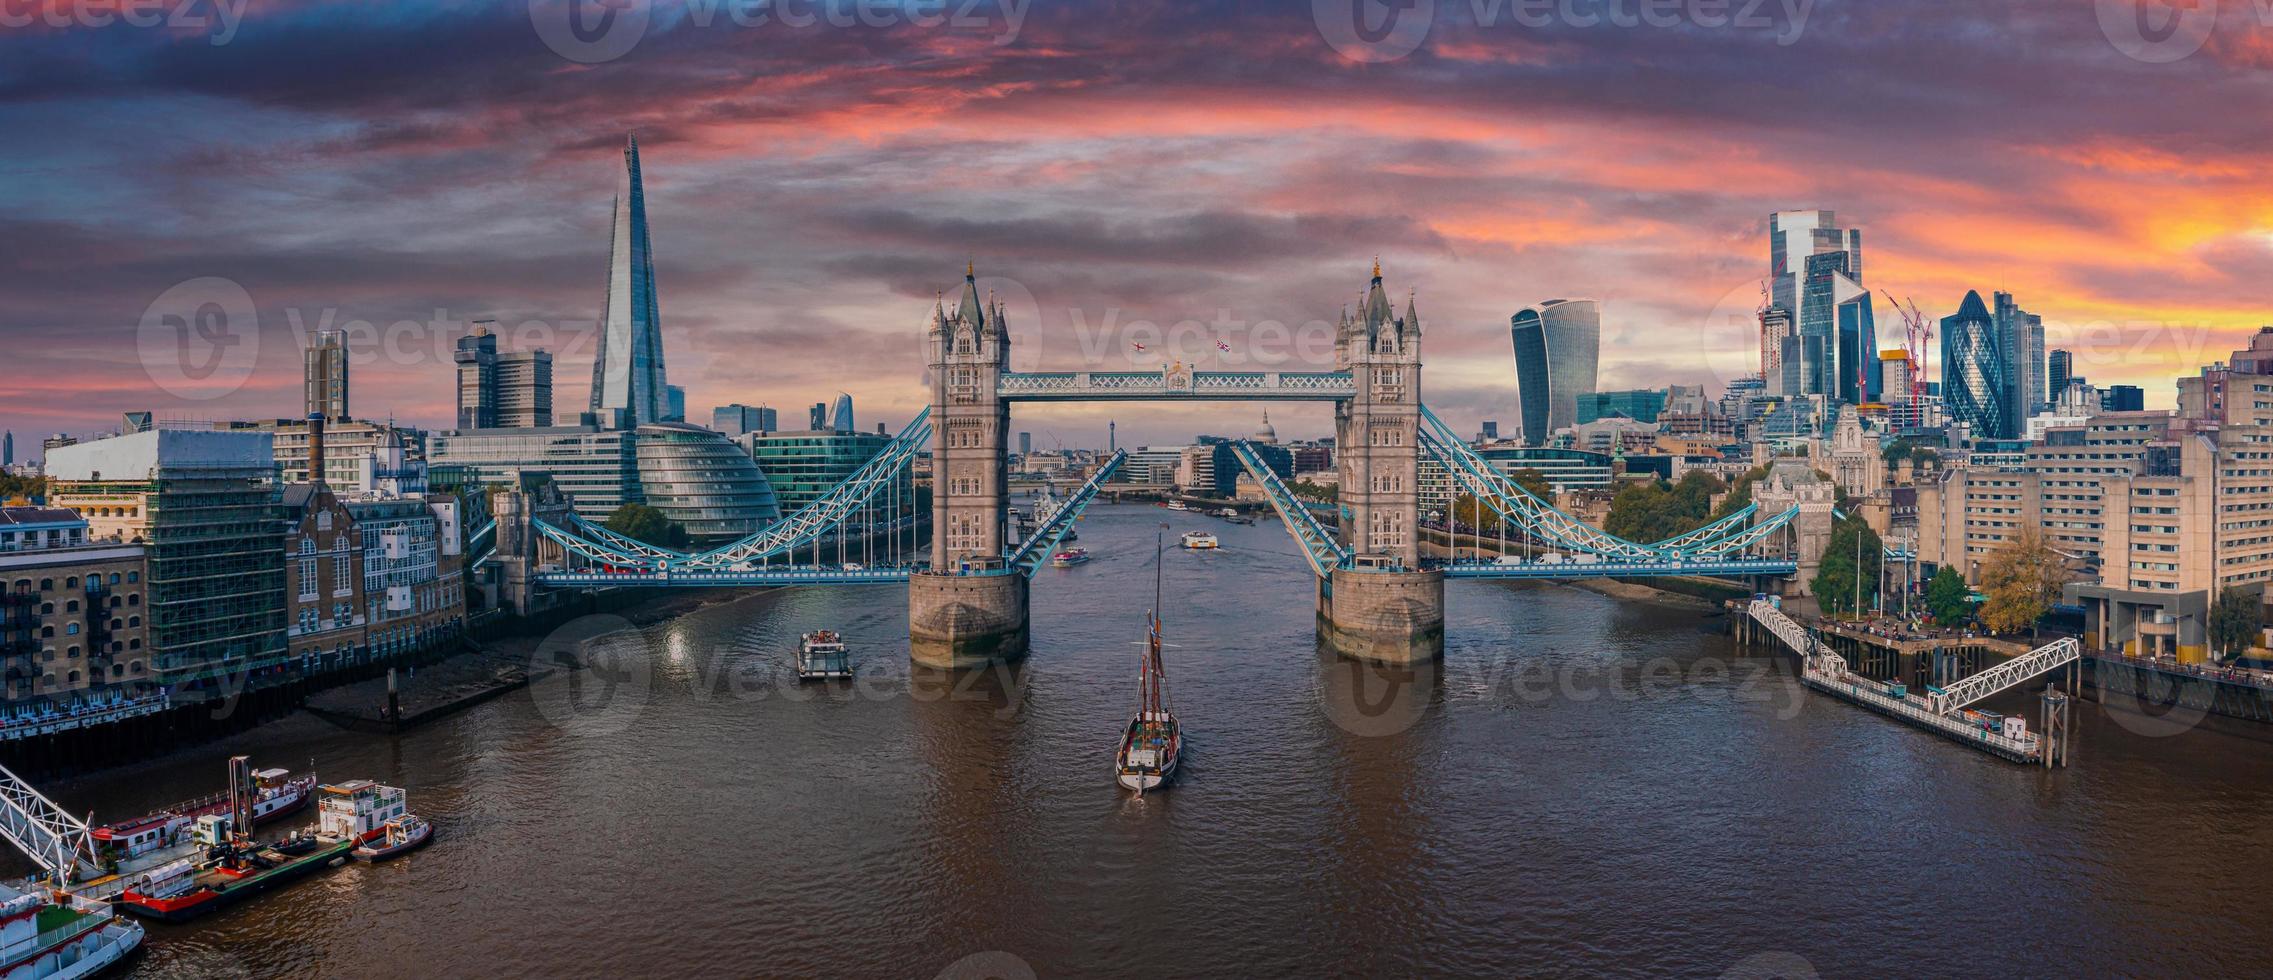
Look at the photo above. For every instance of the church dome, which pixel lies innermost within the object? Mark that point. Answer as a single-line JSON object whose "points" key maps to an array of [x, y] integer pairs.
{"points": [[1266, 435]]}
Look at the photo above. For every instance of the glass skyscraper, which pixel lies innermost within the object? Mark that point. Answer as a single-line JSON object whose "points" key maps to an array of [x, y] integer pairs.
{"points": [[1974, 382], [1815, 277], [2022, 334], [1558, 349], [627, 370]]}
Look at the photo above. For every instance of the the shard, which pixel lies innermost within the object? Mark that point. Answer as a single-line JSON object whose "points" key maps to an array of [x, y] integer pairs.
{"points": [[628, 389]]}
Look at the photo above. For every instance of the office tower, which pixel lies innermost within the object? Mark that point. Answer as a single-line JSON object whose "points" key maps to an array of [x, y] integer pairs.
{"points": [[1558, 346], [476, 357], [1775, 339], [2022, 335], [2060, 370], [2124, 398], [324, 371], [628, 389], [133, 422], [1640, 404], [674, 403], [1491, 431], [1815, 274], [841, 418], [817, 417], [8, 448], [1025, 444], [1974, 386], [501, 389], [733, 420], [524, 389]]}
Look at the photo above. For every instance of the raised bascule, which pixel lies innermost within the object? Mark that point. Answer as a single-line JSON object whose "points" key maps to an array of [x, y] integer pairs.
{"points": [[1378, 597]]}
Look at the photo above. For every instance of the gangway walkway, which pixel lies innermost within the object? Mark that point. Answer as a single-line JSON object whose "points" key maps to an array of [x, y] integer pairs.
{"points": [[57, 841], [1941, 712]]}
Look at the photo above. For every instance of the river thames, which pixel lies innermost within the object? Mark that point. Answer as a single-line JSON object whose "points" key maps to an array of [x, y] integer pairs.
{"points": [[1585, 786]]}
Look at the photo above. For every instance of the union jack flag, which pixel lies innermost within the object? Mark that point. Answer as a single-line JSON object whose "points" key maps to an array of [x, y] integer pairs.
{"points": [[1224, 347]]}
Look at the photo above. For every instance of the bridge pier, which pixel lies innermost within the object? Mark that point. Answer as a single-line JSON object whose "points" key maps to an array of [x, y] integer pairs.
{"points": [[957, 621], [1382, 616]]}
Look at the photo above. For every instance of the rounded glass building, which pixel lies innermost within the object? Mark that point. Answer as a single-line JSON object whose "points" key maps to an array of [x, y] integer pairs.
{"points": [[703, 482]]}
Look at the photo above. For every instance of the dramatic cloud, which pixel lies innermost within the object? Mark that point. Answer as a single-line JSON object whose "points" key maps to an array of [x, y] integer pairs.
{"points": [[1115, 170]]}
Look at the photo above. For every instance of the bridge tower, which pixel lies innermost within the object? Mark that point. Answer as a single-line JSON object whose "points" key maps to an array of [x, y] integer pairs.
{"points": [[1383, 607], [969, 609]]}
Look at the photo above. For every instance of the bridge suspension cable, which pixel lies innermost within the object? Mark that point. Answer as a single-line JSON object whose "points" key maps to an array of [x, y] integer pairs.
{"points": [[1540, 520]]}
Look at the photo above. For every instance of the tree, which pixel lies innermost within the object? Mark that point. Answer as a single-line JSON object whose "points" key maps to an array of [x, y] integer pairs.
{"points": [[2020, 580], [13, 486], [1534, 481], [1739, 495], [1850, 569], [1647, 512], [1948, 598], [2236, 621], [643, 523], [1314, 491], [1471, 512]]}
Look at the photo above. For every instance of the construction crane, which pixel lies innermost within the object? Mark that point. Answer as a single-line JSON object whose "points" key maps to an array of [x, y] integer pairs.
{"points": [[1918, 333]]}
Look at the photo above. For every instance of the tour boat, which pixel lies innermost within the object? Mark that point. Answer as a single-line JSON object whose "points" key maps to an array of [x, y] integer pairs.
{"points": [[60, 937], [1177, 505], [1070, 557], [1149, 747], [163, 835], [1199, 541], [402, 835], [821, 656], [1228, 512], [237, 867]]}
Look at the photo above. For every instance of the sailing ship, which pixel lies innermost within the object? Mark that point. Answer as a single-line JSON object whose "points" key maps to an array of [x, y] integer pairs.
{"points": [[1150, 746]]}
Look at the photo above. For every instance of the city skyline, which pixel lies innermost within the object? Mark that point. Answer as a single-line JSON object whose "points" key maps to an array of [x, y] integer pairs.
{"points": [[792, 216]]}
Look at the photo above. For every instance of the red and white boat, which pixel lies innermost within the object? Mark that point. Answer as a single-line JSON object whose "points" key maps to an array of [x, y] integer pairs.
{"points": [[399, 836]]}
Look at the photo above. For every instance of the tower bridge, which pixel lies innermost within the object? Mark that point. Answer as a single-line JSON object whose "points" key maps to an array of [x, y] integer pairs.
{"points": [[1378, 598]]}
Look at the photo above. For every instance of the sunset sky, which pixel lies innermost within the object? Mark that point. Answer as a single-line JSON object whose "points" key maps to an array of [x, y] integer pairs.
{"points": [[1106, 166]]}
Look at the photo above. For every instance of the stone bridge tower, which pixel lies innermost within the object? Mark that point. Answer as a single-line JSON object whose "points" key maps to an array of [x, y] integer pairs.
{"points": [[967, 610], [1383, 608]]}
